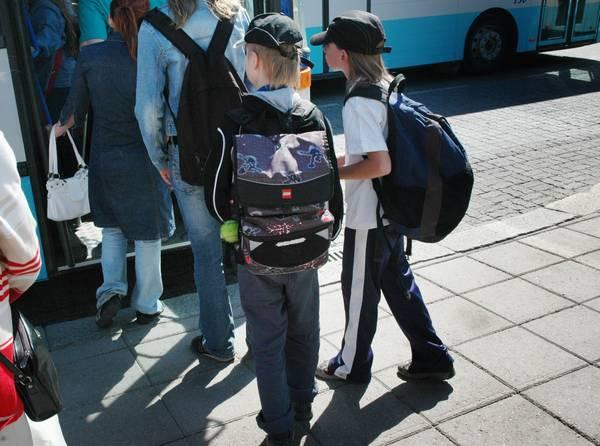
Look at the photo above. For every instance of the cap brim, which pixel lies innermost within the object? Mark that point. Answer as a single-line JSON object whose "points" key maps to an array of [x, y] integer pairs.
{"points": [[318, 39]]}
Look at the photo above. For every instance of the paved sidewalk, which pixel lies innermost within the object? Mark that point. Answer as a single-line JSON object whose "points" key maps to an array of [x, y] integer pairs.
{"points": [[517, 301]]}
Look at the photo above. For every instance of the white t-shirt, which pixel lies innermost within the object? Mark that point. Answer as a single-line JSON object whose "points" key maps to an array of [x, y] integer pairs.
{"points": [[366, 130]]}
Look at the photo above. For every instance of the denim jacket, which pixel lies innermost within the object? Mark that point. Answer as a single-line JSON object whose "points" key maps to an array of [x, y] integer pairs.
{"points": [[49, 28], [160, 62]]}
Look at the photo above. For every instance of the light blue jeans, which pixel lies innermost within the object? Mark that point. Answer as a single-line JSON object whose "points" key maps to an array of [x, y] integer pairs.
{"points": [[148, 278], [216, 316]]}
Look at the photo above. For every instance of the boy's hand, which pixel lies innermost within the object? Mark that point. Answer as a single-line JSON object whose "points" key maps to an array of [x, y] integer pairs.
{"points": [[341, 161], [229, 231]]}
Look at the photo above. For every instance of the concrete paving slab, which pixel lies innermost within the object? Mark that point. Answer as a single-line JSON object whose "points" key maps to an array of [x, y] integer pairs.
{"points": [[430, 437], [515, 258], [573, 398], [331, 311], [564, 242], [181, 307], [215, 397], [100, 377], [536, 220], [242, 432], [518, 357], [83, 330], [167, 359], [582, 203], [423, 252], [509, 422], [430, 291], [479, 236], [569, 279], [390, 346], [165, 329], [184, 306], [437, 401], [462, 274], [595, 304], [457, 320], [518, 300], [589, 227], [592, 259], [88, 349], [134, 418], [343, 415], [565, 329]]}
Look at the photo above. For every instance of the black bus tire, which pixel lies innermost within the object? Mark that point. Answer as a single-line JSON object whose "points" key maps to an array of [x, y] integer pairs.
{"points": [[488, 45]]}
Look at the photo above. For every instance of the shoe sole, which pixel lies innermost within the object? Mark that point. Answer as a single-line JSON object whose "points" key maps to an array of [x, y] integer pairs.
{"points": [[324, 376], [433, 376], [217, 358], [106, 317]]}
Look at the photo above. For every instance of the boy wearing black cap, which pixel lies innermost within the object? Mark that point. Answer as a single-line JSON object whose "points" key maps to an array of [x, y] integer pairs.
{"points": [[353, 43], [282, 310]]}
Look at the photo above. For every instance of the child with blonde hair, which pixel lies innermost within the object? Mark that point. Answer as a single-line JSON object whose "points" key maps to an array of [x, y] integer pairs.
{"points": [[374, 259], [271, 139]]}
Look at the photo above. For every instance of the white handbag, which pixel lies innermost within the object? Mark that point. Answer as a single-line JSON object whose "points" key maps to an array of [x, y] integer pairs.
{"points": [[67, 197]]}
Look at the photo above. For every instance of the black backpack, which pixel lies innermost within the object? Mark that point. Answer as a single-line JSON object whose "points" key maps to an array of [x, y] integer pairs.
{"points": [[210, 88], [276, 173], [429, 188]]}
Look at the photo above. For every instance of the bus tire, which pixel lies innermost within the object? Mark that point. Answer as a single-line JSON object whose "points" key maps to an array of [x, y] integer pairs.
{"points": [[488, 45]]}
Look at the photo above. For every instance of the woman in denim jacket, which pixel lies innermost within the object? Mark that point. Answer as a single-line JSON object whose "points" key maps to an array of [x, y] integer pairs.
{"points": [[128, 198], [160, 62]]}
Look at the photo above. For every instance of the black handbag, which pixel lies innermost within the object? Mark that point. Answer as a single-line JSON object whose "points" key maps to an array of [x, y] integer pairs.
{"points": [[36, 378]]}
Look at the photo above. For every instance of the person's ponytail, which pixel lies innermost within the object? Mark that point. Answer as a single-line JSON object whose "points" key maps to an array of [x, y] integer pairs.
{"points": [[126, 16]]}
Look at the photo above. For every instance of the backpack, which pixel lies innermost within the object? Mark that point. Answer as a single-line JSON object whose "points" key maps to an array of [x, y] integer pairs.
{"points": [[276, 173], [428, 190], [210, 88]]}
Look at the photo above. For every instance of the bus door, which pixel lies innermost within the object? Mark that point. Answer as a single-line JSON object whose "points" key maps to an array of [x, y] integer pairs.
{"points": [[565, 22]]}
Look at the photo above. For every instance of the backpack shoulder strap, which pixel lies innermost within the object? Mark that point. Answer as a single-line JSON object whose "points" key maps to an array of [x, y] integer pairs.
{"points": [[177, 37], [218, 45], [221, 37], [376, 92]]}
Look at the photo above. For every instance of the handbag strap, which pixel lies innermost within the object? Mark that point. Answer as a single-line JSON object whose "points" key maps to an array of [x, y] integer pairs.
{"points": [[21, 377], [52, 157]]}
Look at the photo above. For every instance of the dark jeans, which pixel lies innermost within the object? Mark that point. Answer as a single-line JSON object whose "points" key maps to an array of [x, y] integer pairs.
{"points": [[282, 316]]}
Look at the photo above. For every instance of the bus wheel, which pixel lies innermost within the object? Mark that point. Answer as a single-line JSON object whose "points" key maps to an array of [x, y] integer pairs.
{"points": [[487, 46]]}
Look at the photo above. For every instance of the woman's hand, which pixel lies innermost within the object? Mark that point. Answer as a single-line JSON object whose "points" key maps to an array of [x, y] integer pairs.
{"points": [[166, 176], [61, 128]]}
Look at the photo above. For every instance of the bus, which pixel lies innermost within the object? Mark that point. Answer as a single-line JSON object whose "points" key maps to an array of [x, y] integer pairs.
{"points": [[480, 33]]}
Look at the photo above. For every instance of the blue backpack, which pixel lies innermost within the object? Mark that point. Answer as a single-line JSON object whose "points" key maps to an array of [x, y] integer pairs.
{"points": [[428, 190]]}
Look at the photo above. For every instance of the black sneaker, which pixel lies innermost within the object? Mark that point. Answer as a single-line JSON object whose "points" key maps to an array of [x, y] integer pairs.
{"points": [[414, 371], [107, 312], [145, 319], [285, 439], [198, 347], [303, 411]]}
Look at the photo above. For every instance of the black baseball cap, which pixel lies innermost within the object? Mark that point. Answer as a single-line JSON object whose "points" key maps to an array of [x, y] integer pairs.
{"points": [[358, 31], [272, 30]]}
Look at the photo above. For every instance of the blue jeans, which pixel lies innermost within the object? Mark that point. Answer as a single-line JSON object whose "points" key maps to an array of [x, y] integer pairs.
{"points": [[282, 316], [216, 316], [148, 278]]}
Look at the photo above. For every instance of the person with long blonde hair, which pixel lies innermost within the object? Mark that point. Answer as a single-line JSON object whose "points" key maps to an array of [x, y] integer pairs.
{"points": [[374, 259], [162, 65]]}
